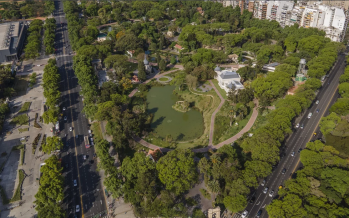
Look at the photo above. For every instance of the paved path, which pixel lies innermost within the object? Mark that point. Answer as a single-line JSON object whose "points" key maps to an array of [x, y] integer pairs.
{"points": [[214, 113], [210, 144]]}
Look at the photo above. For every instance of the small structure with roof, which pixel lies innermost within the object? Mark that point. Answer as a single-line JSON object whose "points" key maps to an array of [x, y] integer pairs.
{"points": [[135, 79], [101, 37], [178, 47], [155, 155], [234, 58], [271, 67], [130, 53], [228, 79]]}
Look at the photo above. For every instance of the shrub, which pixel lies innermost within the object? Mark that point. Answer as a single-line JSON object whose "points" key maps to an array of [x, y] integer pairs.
{"points": [[17, 194], [36, 125], [20, 120], [205, 193], [35, 142]]}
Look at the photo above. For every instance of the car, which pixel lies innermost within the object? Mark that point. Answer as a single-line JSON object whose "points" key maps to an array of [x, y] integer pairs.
{"points": [[84, 157], [265, 190], [64, 108], [283, 171], [244, 214], [91, 139], [252, 199], [271, 194], [65, 118], [89, 131], [94, 155], [314, 133], [263, 183], [77, 208], [259, 213], [77, 136], [75, 183], [292, 154], [302, 126], [317, 111], [317, 102], [280, 187], [90, 135], [299, 150], [297, 125], [70, 129], [309, 115]]}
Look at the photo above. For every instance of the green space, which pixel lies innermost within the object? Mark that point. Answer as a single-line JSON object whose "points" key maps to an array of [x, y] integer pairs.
{"points": [[225, 125], [25, 107], [21, 160], [22, 119], [163, 79], [221, 91], [17, 194], [205, 193], [168, 122], [96, 130]]}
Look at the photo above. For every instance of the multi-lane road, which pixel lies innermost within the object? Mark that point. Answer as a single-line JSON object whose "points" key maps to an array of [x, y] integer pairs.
{"points": [[88, 193], [327, 95]]}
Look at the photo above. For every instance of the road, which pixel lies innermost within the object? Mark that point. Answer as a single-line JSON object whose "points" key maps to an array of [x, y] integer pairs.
{"points": [[327, 95], [88, 193]]}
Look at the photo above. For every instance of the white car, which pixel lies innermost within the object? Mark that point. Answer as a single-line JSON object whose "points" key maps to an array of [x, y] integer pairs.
{"points": [[317, 102], [292, 154], [263, 183], [309, 115], [84, 157], [271, 194], [244, 214], [64, 108], [297, 125], [77, 208], [89, 131], [70, 129], [75, 183], [265, 190]]}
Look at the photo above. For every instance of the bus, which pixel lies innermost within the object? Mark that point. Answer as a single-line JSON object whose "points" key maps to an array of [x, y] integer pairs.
{"points": [[87, 143]]}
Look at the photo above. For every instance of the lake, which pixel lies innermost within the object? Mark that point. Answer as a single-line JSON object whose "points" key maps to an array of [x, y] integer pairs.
{"points": [[167, 121]]}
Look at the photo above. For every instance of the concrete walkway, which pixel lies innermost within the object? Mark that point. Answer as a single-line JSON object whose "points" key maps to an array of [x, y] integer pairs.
{"points": [[210, 145]]}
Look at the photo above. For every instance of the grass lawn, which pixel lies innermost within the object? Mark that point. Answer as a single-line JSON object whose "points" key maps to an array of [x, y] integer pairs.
{"points": [[163, 79], [20, 130], [20, 120], [96, 128], [221, 91], [17, 194], [21, 157], [25, 107], [21, 85], [261, 120]]}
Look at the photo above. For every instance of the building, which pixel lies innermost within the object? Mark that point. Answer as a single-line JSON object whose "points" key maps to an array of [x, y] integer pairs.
{"points": [[101, 37], [148, 67], [228, 80], [12, 36], [270, 67], [130, 53], [234, 58], [155, 155]]}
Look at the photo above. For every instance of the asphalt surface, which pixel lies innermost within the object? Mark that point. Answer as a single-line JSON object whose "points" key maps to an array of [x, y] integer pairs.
{"points": [[88, 193], [327, 95]]}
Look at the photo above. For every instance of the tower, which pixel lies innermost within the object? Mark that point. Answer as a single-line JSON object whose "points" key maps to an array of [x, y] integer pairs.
{"points": [[148, 67]]}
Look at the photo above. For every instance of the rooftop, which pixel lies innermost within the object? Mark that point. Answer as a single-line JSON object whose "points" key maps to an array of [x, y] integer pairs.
{"points": [[8, 31], [226, 74]]}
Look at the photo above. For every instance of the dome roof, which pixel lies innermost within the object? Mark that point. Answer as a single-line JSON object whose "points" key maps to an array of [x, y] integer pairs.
{"points": [[145, 61], [217, 69]]}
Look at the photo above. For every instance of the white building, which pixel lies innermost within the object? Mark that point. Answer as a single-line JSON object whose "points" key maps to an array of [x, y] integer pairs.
{"points": [[228, 80]]}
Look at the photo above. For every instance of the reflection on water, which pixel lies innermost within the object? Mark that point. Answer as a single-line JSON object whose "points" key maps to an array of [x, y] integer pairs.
{"points": [[167, 121]]}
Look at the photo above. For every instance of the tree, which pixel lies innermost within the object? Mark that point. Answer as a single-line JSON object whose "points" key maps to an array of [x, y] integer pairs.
{"points": [[177, 170], [52, 144], [290, 206], [341, 107], [343, 89], [236, 203], [114, 185], [291, 70], [173, 60], [50, 116], [191, 81], [162, 65], [126, 84], [142, 76], [327, 124]]}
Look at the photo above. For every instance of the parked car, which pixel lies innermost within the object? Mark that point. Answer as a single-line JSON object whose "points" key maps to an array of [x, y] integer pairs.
{"points": [[84, 157], [297, 125], [299, 150], [263, 183], [77, 208], [317, 102], [70, 129]]}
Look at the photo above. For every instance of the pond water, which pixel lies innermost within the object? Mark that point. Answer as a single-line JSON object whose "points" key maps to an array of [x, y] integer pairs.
{"points": [[167, 121]]}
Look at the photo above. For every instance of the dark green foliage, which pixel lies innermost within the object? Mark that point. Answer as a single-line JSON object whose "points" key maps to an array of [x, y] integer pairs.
{"points": [[32, 49]]}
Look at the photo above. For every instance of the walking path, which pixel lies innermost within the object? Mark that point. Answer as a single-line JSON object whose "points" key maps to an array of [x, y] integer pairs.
{"points": [[210, 144]]}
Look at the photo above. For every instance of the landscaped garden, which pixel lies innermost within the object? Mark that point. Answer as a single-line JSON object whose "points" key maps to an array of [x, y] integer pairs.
{"points": [[25, 107], [22, 119]]}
